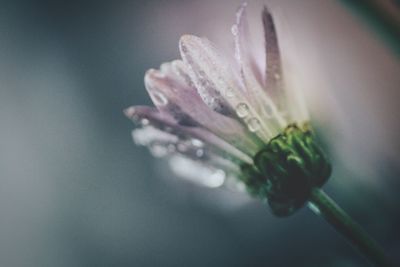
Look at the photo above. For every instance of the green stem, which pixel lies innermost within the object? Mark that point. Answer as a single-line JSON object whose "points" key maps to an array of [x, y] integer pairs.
{"points": [[324, 206]]}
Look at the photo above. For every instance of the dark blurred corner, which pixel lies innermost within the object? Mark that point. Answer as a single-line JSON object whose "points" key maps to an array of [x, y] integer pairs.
{"points": [[75, 191]]}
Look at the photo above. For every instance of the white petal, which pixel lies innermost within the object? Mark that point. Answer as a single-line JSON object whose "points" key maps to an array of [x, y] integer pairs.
{"points": [[245, 53], [287, 89], [211, 73], [185, 105], [252, 79], [166, 123], [197, 172]]}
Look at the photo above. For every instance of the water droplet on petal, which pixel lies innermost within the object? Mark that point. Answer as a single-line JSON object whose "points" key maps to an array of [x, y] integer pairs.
{"points": [[159, 98], [182, 147], [242, 110], [197, 142], [277, 76], [144, 122], [268, 110], [199, 152], [183, 47], [216, 179], [253, 124], [234, 30]]}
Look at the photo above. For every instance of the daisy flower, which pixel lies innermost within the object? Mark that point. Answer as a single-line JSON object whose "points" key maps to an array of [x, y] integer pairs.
{"points": [[220, 119], [215, 115]]}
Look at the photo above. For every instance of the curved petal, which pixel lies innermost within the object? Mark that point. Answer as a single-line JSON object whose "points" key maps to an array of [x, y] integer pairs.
{"points": [[282, 84], [252, 79], [210, 72], [151, 116], [183, 103], [162, 143], [244, 51], [273, 57]]}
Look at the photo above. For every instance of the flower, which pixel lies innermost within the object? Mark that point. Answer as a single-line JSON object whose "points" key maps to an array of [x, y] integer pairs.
{"points": [[222, 118]]}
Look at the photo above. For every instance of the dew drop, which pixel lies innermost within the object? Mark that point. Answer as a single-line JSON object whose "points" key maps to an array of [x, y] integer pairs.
{"points": [[144, 122], [201, 73], [253, 124], [182, 147], [277, 76], [242, 110], [184, 48], [197, 142], [159, 98], [199, 152], [216, 179], [268, 111], [234, 30]]}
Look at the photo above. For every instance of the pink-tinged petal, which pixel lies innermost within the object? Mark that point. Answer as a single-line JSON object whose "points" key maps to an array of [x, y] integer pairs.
{"points": [[150, 116], [211, 74], [166, 91], [282, 85], [251, 76], [244, 50], [207, 66], [143, 114], [274, 76], [182, 101]]}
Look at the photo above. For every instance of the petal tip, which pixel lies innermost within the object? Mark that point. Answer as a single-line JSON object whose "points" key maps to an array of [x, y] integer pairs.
{"points": [[153, 75], [189, 41], [129, 112]]}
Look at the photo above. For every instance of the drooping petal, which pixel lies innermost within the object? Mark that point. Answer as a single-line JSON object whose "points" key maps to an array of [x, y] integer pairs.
{"points": [[182, 102], [204, 174], [162, 143], [197, 172], [151, 116]]}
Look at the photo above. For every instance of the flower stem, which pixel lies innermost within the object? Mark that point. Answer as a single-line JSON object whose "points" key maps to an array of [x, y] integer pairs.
{"points": [[325, 207]]}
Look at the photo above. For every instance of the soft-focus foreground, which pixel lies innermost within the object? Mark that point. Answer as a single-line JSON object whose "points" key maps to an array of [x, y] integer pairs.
{"points": [[75, 192]]}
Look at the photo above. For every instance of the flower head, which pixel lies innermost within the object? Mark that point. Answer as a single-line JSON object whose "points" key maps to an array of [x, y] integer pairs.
{"points": [[233, 117]]}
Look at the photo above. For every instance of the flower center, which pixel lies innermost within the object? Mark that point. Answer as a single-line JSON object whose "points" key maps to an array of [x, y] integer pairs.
{"points": [[287, 169]]}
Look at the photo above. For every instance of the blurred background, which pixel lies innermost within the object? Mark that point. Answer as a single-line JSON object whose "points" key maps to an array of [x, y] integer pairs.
{"points": [[75, 191]]}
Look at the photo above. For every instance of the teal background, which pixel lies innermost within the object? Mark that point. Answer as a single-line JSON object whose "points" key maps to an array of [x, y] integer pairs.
{"points": [[75, 191]]}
